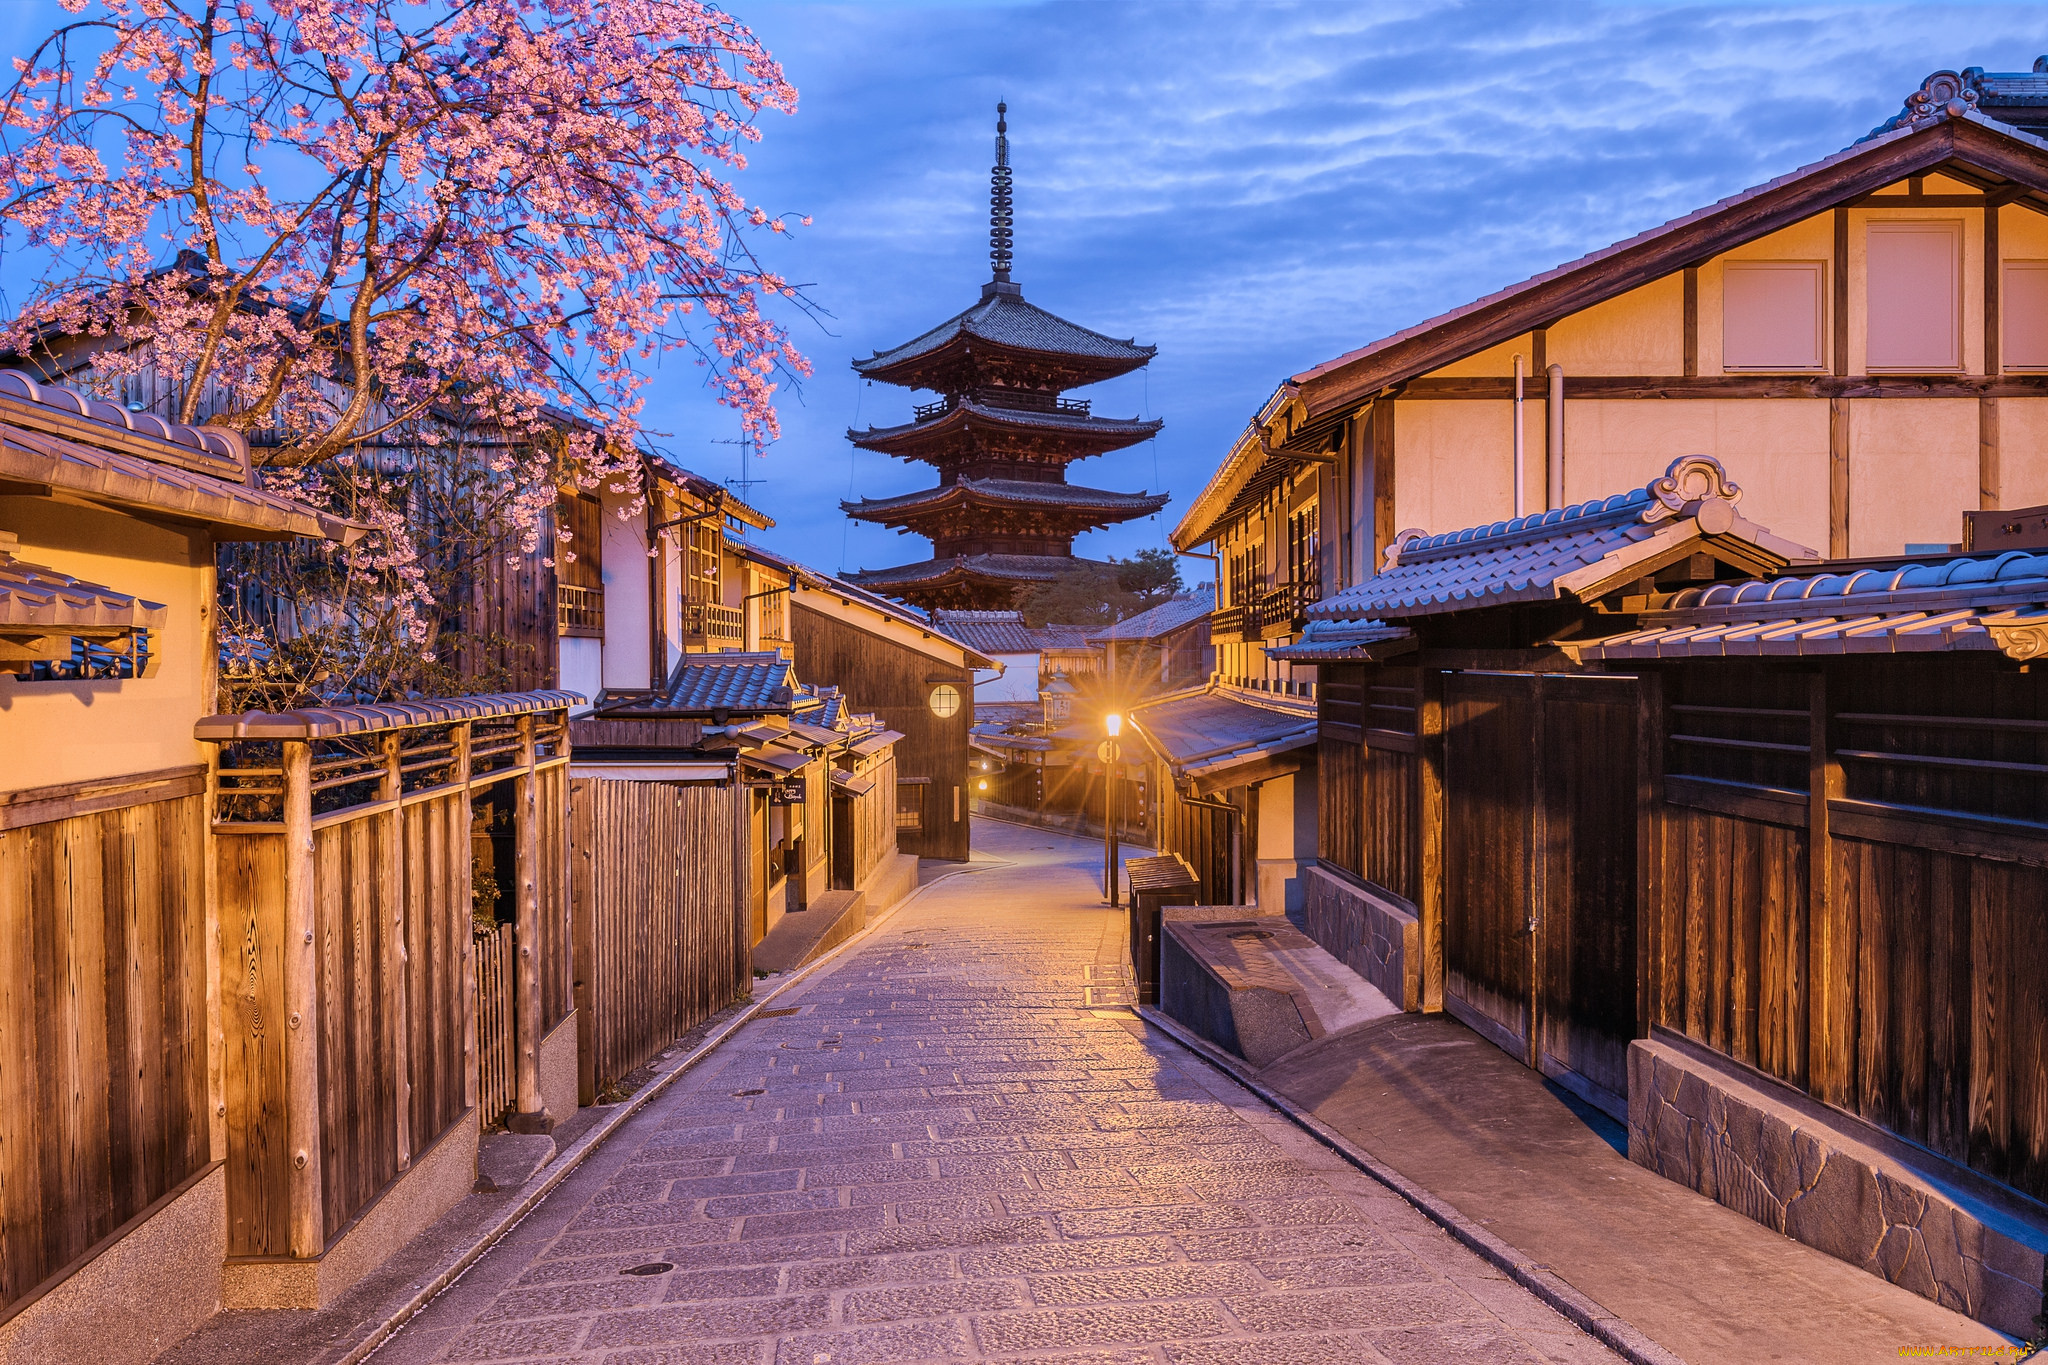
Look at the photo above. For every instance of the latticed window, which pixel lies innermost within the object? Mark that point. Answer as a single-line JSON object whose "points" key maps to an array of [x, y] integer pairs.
{"points": [[579, 566], [706, 546], [1304, 553]]}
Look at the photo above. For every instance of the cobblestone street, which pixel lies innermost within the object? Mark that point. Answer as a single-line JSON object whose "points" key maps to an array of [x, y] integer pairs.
{"points": [[958, 1145]]}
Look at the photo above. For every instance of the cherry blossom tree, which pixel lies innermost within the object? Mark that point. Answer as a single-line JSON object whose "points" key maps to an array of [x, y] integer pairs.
{"points": [[352, 226]]}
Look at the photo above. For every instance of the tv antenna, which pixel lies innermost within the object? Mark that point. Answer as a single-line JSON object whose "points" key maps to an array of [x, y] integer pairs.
{"points": [[741, 484]]}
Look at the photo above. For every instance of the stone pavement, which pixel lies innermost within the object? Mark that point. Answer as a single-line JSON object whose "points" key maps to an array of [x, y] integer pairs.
{"points": [[958, 1148]]}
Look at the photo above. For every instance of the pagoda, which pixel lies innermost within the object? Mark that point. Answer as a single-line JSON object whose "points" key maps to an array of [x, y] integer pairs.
{"points": [[1001, 434]]}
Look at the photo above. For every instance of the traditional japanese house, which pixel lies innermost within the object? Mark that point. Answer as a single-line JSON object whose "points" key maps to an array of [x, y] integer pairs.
{"points": [[1864, 334], [1744, 846], [1026, 656], [910, 672], [1165, 648], [114, 1124], [1001, 436]]}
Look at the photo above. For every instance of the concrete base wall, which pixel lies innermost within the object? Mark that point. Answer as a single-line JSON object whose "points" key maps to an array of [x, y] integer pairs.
{"points": [[891, 880], [440, 1178], [1770, 1159], [1370, 934], [137, 1298], [558, 1070]]}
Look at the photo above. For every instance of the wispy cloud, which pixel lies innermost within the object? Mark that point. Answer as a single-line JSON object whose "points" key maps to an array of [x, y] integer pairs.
{"points": [[1254, 188]]}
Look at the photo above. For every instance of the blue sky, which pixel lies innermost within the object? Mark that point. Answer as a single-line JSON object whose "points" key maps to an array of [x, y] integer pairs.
{"points": [[1251, 188]]}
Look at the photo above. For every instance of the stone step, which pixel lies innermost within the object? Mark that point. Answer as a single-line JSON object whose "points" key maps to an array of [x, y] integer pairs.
{"points": [[1258, 986], [805, 935]]}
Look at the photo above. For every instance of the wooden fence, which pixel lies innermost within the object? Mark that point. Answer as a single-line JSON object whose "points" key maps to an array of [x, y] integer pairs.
{"points": [[660, 896], [103, 1028], [1832, 871], [344, 876], [497, 1036]]}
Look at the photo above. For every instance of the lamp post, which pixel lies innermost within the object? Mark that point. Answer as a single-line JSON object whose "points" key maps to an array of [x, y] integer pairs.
{"points": [[1112, 755]]}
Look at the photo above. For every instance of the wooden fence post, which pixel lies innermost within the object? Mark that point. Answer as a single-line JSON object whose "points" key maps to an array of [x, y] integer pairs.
{"points": [[530, 1115], [460, 818], [302, 1004], [398, 960], [1429, 836]]}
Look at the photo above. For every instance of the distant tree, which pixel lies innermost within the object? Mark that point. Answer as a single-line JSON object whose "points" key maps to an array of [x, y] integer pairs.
{"points": [[337, 225], [1103, 594]]}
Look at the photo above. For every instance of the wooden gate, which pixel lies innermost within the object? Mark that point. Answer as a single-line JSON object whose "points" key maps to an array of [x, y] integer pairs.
{"points": [[1540, 802]]}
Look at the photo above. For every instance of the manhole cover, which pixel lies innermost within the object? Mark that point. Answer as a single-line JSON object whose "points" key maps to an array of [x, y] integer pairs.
{"points": [[651, 1268], [778, 1014], [1250, 935]]}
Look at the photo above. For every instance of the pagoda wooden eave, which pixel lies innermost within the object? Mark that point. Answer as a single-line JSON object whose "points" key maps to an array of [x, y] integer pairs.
{"points": [[1082, 436]]}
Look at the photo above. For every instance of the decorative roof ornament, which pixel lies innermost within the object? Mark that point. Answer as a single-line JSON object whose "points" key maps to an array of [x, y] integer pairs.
{"points": [[1694, 485], [1001, 221], [2019, 98]]}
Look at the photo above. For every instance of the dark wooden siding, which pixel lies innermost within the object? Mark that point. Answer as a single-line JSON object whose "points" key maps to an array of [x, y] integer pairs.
{"points": [[660, 912], [1389, 847], [103, 1092], [1200, 834], [891, 680]]}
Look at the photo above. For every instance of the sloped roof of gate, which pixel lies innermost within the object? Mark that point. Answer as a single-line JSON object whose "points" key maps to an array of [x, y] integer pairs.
{"points": [[1212, 735], [1958, 602], [1579, 552]]}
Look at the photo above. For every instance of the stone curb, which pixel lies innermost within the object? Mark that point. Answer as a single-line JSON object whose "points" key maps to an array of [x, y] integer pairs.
{"points": [[568, 1161], [1616, 1333]]}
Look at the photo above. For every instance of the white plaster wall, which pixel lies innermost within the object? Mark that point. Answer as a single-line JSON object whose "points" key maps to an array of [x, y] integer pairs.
{"points": [[1912, 472], [582, 667], [625, 599], [2023, 452], [54, 732]]}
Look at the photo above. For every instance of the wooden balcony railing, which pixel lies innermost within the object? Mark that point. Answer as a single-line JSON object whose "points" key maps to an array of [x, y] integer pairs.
{"points": [[714, 623], [1229, 625], [579, 611], [1283, 610]]}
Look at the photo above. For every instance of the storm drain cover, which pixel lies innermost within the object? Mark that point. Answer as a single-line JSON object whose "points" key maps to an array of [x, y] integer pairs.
{"points": [[741, 1094], [651, 1268], [1250, 935]]}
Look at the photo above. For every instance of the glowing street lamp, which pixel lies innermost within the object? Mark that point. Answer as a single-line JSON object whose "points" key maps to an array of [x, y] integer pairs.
{"points": [[1112, 754]]}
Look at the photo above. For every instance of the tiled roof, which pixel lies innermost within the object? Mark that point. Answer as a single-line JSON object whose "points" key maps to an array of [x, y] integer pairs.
{"points": [[1113, 432], [1336, 642], [1989, 602], [329, 722], [1169, 616], [850, 590], [732, 681], [1008, 568], [222, 452], [1204, 735], [48, 600], [2016, 97], [1004, 632], [1007, 320], [1579, 551], [1010, 492]]}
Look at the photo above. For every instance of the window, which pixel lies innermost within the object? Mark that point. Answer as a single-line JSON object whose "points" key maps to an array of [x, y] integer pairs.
{"points": [[1914, 290], [945, 701], [579, 564], [1772, 315], [910, 805], [2023, 305], [1304, 553]]}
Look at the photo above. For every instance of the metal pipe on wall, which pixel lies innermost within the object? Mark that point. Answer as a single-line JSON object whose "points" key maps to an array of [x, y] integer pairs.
{"points": [[1555, 452], [1520, 480]]}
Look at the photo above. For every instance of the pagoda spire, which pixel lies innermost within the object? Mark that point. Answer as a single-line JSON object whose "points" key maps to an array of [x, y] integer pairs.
{"points": [[1000, 220]]}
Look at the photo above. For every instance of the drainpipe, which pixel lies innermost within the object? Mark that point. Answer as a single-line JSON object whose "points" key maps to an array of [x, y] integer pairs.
{"points": [[1556, 443], [1519, 461]]}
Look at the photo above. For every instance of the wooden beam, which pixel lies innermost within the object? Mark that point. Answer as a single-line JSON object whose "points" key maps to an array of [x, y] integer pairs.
{"points": [[1918, 201], [306, 1219], [1383, 527], [1594, 388], [1650, 936], [1838, 478], [1993, 360], [583, 925], [459, 819], [1539, 353], [1839, 312], [1692, 321], [1989, 485]]}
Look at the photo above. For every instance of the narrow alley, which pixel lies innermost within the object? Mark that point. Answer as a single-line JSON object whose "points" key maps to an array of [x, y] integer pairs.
{"points": [[959, 1145]]}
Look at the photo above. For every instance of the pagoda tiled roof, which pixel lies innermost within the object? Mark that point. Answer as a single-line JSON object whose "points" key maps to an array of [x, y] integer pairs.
{"points": [[1006, 568], [1004, 318], [1010, 492], [1119, 431]]}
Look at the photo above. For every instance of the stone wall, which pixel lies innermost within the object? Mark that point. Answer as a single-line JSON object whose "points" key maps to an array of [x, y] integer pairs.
{"points": [[1370, 934], [1771, 1160]]}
